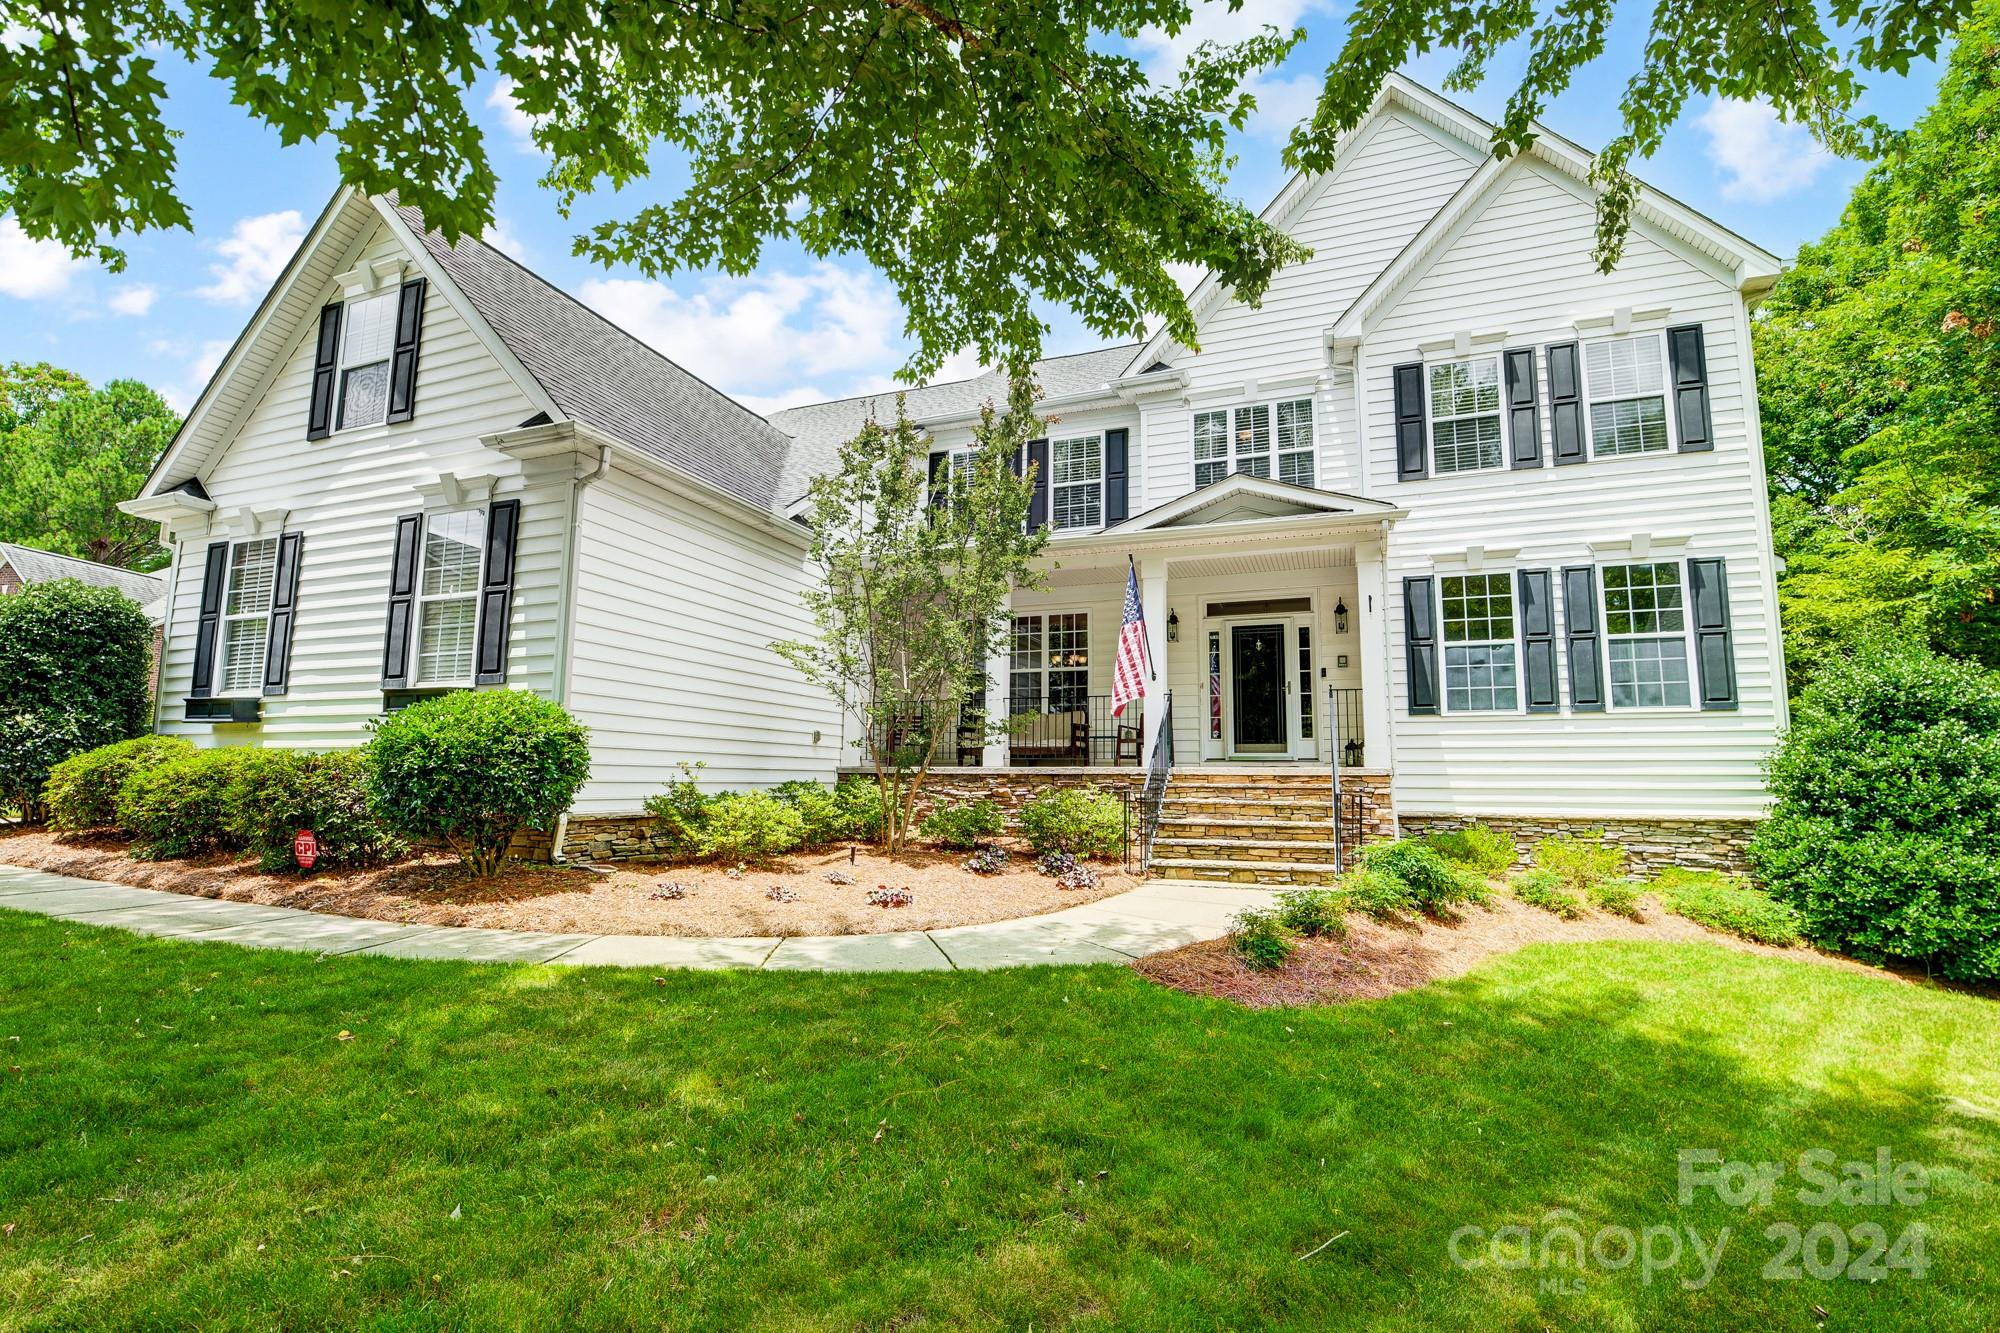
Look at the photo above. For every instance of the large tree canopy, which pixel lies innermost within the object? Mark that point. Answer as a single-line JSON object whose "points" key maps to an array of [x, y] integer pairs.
{"points": [[1878, 361], [69, 453], [983, 154]]}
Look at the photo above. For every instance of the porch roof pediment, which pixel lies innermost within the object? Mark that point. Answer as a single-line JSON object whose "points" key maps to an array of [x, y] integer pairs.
{"points": [[1241, 496]]}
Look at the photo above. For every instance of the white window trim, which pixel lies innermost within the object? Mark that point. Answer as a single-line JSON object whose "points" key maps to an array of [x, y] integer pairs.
{"points": [[1444, 645], [423, 602], [1452, 357], [1047, 668], [219, 669], [1097, 440], [1658, 335], [341, 365], [1678, 560], [1231, 459]]}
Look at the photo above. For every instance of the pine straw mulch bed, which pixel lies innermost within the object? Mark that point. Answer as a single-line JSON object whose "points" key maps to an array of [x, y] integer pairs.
{"points": [[1378, 959], [616, 900]]}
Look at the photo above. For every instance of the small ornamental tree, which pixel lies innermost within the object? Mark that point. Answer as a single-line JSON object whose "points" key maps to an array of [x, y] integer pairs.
{"points": [[474, 767], [75, 671], [913, 588]]}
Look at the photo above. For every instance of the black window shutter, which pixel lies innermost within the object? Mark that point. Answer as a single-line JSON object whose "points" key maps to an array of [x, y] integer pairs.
{"points": [[284, 612], [214, 571], [1412, 444], [1689, 359], [1715, 655], [402, 602], [1524, 416], [1420, 644], [934, 483], [403, 364], [496, 592], [1565, 405], [1538, 639], [1117, 451], [326, 370], [1038, 504], [1586, 658]]}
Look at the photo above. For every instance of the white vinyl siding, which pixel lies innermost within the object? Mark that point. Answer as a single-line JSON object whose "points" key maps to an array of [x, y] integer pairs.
{"points": [[246, 615], [367, 338], [1076, 481], [448, 596], [1480, 668], [1465, 414], [1645, 631], [1626, 381]]}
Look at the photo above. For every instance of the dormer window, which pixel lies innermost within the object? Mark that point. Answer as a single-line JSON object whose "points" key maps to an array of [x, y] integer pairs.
{"points": [[366, 344]]}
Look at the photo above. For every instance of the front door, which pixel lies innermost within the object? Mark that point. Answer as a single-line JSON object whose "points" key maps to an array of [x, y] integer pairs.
{"points": [[1257, 689]]}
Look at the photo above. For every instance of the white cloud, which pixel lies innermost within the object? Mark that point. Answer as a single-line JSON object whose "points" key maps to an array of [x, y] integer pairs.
{"points": [[502, 237], [181, 392], [255, 255], [1163, 55], [133, 299], [32, 269], [762, 338], [1762, 158], [517, 122]]}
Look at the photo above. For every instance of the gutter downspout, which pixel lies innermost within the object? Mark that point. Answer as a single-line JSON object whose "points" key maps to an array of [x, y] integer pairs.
{"points": [[565, 649], [1388, 674]]}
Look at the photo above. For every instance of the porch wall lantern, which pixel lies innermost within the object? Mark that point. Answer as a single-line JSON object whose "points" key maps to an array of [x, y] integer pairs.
{"points": [[1340, 617], [1173, 626]]}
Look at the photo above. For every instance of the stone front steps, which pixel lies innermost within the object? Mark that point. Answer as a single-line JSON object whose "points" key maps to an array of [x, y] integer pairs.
{"points": [[1263, 828]]}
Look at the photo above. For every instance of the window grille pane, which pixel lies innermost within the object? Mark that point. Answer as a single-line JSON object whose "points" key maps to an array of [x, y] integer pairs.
{"points": [[1636, 426], [1644, 599], [451, 552], [252, 567], [1069, 640], [243, 644], [1478, 607], [1650, 673], [364, 395], [369, 329], [1211, 436], [1462, 388], [1076, 466], [1480, 677], [1295, 424], [1253, 438], [444, 649], [1069, 691], [1624, 367], [1467, 444], [1027, 653], [1206, 474]]}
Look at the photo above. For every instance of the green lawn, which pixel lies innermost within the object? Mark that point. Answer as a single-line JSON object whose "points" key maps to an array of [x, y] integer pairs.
{"points": [[186, 1140]]}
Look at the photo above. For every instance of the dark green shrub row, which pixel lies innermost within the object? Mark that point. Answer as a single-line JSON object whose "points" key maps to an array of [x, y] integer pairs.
{"points": [[963, 826], [1082, 821], [1476, 846], [1725, 903], [83, 789], [754, 826], [1407, 875]]}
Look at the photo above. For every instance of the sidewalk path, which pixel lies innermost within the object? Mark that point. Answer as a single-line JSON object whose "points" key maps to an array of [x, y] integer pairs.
{"points": [[1160, 914]]}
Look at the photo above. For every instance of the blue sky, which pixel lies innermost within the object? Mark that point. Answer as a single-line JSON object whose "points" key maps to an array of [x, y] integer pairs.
{"points": [[798, 329]]}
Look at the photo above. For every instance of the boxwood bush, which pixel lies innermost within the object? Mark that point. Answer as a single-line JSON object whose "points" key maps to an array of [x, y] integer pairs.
{"points": [[1885, 828], [962, 826], [749, 826], [183, 807], [82, 790], [1434, 884], [474, 767], [1476, 846], [848, 811], [269, 801], [75, 673], [1082, 821]]}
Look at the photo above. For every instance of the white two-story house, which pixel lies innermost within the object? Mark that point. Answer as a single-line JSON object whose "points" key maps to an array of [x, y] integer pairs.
{"points": [[1450, 510]]}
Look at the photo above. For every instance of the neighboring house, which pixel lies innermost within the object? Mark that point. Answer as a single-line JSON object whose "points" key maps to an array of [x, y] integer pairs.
{"points": [[1451, 508], [23, 565]]}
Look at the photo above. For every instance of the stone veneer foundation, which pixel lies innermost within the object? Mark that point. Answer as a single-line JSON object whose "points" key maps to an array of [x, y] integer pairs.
{"points": [[1650, 844]]}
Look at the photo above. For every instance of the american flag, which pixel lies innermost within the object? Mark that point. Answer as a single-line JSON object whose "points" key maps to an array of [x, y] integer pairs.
{"points": [[1134, 666]]}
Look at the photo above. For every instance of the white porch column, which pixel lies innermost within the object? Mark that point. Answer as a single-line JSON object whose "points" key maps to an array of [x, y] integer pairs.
{"points": [[994, 753], [1153, 600], [1373, 587]]}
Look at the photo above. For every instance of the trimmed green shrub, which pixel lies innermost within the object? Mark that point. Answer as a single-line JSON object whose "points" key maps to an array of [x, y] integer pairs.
{"points": [[1434, 885], [1263, 941], [1476, 846], [1726, 903], [75, 673], [750, 826], [679, 813], [1885, 828], [1618, 896], [1376, 892], [474, 767], [1318, 913], [271, 799], [848, 811], [182, 807], [963, 826], [82, 790], [1080, 820], [1580, 860], [1547, 890]]}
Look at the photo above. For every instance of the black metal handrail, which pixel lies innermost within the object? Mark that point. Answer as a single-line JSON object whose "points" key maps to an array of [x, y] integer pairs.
{"points": [[1153, 795], [1343, 711]]}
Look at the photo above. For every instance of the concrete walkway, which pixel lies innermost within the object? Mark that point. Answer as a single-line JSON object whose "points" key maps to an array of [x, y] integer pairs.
{"points": [[1158, 915]]}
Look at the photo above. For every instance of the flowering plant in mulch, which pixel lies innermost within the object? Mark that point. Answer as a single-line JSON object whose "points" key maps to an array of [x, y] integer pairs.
{"points": [[669, 889], [888, 897], [839, 877], [778, 893], [988, 860], [1067, 871]]}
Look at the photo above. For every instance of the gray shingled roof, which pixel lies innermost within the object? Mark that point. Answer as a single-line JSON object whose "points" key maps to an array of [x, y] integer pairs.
{"points": [[819, 429], [35, 566], [604, 377]]}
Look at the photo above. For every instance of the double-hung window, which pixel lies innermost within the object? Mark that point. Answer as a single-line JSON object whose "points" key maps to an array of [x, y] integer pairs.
{"points": [[1626, 380], [448, 596], [1076, 481], [246, 615], [1645, 627], [1465, 414], [367, 340], [1245, 439], [1479, 663], [1050, 666]]}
